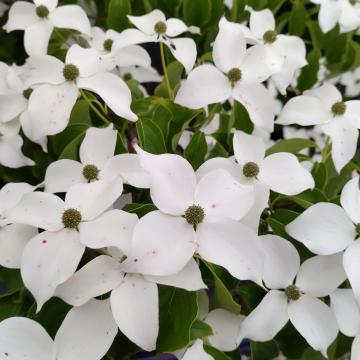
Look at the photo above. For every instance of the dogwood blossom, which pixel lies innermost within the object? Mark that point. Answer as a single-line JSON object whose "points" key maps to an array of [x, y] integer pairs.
{"points": [[290, 48], [316, 277], [327, 228], [52, 257], [97, 163], [199, 216], [134, 298], [338, 119], [38, 20], [237, 74], [87, 332], [154, 27], [50, 104], [280, 172]]}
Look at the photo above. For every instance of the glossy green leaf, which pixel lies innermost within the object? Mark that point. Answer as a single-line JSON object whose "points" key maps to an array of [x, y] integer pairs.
{"points": [[196, 151], [117, 14]]}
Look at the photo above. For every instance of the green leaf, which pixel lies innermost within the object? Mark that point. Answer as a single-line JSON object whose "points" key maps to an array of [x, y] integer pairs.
{"points": [[196, 151], [174, 71], [200, 329], [11, 278], [291, 145], [241, 119], [150, 136], [197, 12], [263, 350], [309, 73], [61, 141], [222, 297], [139, 209], [319, 173], [71, 150], [80, 113], [117, 14], [304, 199], [178, 311], [215, 353], [297, 21]]}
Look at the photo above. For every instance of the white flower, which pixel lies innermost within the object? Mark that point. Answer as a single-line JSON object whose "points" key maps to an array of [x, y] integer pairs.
{"points": [[86, 333], [280, 172], [237, 74], [339, 120], [193, 216], [13, 237], [97, 163], [51, 257], [316, 277], [343, 12], [50, 104], [347, 314], [39, 19], [290, 48], [326, 228], [134, 297], [154, 27], [128, 56]]}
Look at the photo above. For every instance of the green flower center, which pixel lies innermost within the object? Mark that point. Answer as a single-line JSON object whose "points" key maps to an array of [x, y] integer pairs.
{"points": [[353, 2], [71, 72], [270, 36], [71, 218], [160, 27], [26, 93], [251, 169], [194, 215], [42, 11], [338, 108], [234, 75], [127, 77], [292, 293], [108, 43], [90, 172]]}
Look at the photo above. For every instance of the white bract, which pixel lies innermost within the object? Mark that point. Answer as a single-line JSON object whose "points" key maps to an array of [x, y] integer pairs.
{"points": [[134, 297], [290, 48], [52, 256], [347, 314], [38, 20], [97, 163], [298, 302], [237, 74], [133, 59], [86, 333], [13, 237], [346, 13], [326, 228], [154, 27], [50, 104], [338, 119], [194, 216]]}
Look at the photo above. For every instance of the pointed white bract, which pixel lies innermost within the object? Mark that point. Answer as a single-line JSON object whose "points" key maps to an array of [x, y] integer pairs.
{"points": [[297, 300], [339, 120]]}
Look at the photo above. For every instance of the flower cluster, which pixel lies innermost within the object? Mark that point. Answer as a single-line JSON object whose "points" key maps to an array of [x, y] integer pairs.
{"points": [[190, 216]]}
